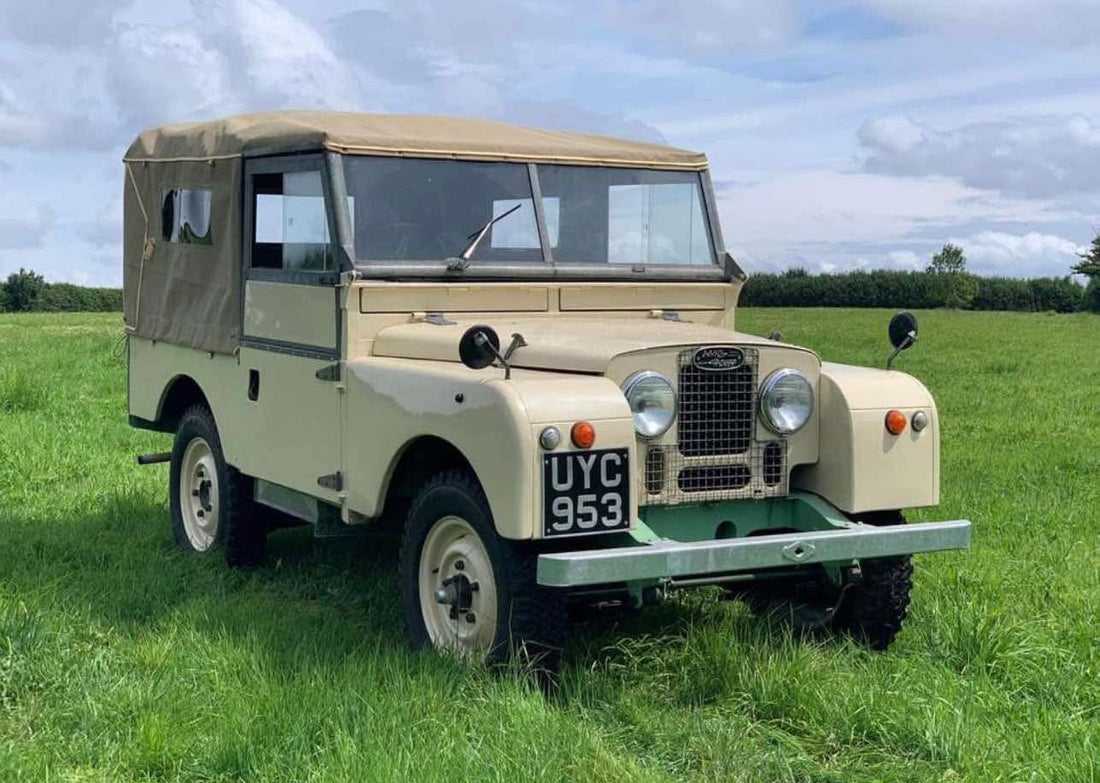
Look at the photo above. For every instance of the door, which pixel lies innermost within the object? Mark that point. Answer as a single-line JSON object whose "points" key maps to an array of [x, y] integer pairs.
{"points": [[291, 331]]}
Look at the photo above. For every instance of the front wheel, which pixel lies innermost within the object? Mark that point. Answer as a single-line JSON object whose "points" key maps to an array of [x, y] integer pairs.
{"points": [[871, 610], [469, 591]]}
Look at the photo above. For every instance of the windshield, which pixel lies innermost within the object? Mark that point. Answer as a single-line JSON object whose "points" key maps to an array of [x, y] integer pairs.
{"points": [[406, 209]]}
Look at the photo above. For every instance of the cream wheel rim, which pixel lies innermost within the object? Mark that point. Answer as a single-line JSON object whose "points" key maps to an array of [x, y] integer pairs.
{"points": [[199, 494], [458, 596]]}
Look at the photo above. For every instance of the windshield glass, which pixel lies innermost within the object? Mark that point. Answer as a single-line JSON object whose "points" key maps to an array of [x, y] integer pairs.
{"points": [[406, 209], [624, 216], [429, 210]]}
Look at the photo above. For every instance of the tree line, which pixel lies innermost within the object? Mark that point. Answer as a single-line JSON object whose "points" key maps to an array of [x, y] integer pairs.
{"points": [[27, 292], [945, 283]]}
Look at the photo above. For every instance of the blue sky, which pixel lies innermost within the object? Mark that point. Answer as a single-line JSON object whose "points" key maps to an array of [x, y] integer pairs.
{"points": [[859, 134]]}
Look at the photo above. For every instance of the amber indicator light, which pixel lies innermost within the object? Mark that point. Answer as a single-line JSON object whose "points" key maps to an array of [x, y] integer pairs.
{"points": [[583, 434], [896, 422]]}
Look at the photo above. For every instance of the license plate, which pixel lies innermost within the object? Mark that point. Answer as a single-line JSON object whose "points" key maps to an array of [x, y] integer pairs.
{"points": [[586, 492]]}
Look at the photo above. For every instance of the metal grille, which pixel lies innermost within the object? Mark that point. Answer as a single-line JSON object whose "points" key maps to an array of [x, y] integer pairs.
{"points": [[672, 478], [774, 463], [716, 413], [709, 478]]}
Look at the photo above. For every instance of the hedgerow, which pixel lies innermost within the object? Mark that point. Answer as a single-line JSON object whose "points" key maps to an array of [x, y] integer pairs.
{"points": [[916, 290]]}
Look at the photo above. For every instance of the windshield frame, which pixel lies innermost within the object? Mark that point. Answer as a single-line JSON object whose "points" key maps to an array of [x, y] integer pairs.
{"points": [[721, 266]]}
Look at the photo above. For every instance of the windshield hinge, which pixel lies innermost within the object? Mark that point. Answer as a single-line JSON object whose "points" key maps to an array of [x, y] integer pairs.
{"points": [[438, 319], [333, 481]]}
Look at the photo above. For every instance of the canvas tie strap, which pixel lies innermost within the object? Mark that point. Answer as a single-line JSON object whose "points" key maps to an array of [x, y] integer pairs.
{"points": [[147, 247]]}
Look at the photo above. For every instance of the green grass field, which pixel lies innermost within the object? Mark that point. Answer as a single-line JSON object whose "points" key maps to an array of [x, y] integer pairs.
{"points": [[122, 658]]}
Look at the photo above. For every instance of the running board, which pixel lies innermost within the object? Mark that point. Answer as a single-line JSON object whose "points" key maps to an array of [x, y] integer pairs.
{"points": [[670, 559]]}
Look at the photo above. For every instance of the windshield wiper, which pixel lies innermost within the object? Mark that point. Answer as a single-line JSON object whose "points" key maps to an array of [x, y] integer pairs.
{"points": [[462, 260]]}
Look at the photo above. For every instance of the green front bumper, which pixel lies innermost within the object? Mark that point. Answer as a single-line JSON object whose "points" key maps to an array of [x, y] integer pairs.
{"points": [[835, 540]]}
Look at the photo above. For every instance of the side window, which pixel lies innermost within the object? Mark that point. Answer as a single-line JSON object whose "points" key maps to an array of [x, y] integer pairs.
{"points": [[290, 226], [185, 216]]}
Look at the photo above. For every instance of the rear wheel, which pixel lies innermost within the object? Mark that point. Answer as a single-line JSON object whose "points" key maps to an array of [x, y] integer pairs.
{"points": [[871, 608], [469, 591], [211, 502]]}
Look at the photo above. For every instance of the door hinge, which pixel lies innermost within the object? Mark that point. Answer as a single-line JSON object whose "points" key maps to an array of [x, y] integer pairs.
{"points": [[666, 315], [330, 372], [333, 481]]}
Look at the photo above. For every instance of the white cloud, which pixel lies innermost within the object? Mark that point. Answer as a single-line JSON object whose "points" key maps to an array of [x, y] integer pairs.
{"points": [[281, 58], [168, 74], [58, 24], [828, 206], [26, 228], [1019, 255], [1034, 157], [906, 260], [229, 57], [710, 75], [708, 26], [826, 221], [1059, 21], [48, 102]]}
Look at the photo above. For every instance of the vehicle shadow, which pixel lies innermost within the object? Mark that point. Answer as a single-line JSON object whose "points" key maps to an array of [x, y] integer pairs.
{"points": [[311, 600], [120, 567]]}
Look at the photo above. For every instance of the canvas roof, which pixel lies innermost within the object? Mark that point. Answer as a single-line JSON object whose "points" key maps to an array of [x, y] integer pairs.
{"points": [[400, 135]]}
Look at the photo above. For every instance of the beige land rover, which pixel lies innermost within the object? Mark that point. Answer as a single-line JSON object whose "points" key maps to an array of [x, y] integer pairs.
{"points": [[518, 346]]}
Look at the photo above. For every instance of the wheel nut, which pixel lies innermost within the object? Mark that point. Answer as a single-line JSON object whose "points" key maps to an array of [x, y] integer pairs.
{"points": [[460, 565], [200, 513], [194, 493], [470, 618]]}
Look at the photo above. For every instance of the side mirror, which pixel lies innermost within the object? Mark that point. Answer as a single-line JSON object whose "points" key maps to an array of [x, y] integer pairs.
{"points": [[479, 347], [903, 331]]}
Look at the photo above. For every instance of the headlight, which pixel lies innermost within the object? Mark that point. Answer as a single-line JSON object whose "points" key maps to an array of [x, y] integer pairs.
{"points": [[786, 401], [652, 401]]}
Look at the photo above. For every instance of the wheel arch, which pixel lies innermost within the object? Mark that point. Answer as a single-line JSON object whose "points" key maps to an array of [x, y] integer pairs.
{"points": [[414, 463], [179, 394]]}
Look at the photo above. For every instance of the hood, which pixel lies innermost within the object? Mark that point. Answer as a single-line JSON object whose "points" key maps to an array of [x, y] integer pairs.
{"points": [[567, 344]]}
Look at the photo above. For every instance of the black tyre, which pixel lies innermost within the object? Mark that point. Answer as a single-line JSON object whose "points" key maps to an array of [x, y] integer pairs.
{"points": [[871, 610], [874, 610], [211, 502], [466, 589]]}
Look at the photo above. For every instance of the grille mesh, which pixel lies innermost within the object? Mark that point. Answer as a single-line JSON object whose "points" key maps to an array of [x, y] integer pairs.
{"points": [[672, 478], [716, 407]]}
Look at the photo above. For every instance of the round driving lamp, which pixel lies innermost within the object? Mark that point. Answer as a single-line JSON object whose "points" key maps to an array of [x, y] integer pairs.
{"points": [[786, 401], [652, 401]]}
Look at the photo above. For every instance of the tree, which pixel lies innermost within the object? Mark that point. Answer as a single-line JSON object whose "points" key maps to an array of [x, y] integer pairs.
{"points": [[23, 290], [1089, 265], [948, 261], [955, 288]]}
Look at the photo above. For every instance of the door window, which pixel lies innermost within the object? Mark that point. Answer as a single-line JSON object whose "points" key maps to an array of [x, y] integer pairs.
{"points": [[290, 223]]}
